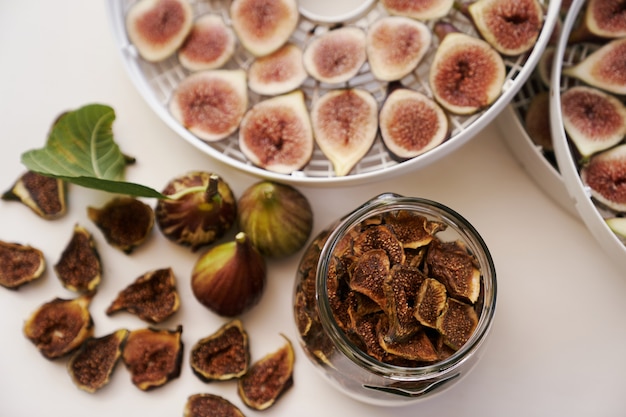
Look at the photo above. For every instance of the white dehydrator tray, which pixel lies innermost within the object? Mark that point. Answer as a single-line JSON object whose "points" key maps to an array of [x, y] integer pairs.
{"points": [[156, 81], [593, 215]]}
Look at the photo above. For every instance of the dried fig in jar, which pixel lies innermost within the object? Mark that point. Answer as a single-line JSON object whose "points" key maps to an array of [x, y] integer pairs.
{"points": [[92, 365], [20, 264], [222, 355]]}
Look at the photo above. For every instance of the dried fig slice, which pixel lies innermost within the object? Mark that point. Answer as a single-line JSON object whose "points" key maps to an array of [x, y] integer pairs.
{"points": [[268, 378], [153, 356], [20, 264], [457, 323], [276, 133], [211, 103], [593, 119], [205, 405], [605, 68], [605, 175], [395, 46], [430, 303], [345, 124], [336, 56], [152, 297], [510, 26], [45, 196], [411, 229], [418, 9], [263, 26], [210, 44], [537, 121], [125, 222], [379, 237], [79, 267], [466, 74], [60, 326], [370, 271], [417, 347], [277, 73], [451, 264], [411, 123], [92, 365], [157, 28], [401, 287], [222, 355]]}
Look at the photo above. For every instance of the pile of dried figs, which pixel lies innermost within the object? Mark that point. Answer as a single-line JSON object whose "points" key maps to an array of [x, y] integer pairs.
{"points": [[278, 123], [228, 278]]}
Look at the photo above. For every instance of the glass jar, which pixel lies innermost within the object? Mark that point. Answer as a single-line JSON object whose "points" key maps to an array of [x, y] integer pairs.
{"points": [[341, 358]]}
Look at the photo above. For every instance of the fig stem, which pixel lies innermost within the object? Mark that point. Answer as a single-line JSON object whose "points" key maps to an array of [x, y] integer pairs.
{"points": [[212, 192]]}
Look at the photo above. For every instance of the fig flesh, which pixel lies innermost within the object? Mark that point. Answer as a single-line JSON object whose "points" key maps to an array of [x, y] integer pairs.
{"points": [[204, 405], [593, 119], [200, 210], [277, 218], [92, 365], [125, 222], [45, 196], [60, 326], [602, 19], [153, 356], [263, 26], [209, 45], [277, 73], [79, 267], [418, 9], [20, 264], [336, 56], [157, 28], [396, 45], [510, 26], [229, 278], [605, 175], [605, 68], [412, 123], [345, 124], [466, 74], [211, 103], [276, 133]]}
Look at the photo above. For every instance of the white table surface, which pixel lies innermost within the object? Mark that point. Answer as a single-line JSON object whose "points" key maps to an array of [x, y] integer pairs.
{"points": [[557, 344]]}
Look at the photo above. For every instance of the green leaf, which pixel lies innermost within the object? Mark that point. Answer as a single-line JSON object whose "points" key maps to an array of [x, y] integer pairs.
{"points": [[80, 149]]}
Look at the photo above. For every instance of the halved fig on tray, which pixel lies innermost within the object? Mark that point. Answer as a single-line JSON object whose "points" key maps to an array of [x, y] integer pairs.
{"points": [[510, 26], [157, 28], [263, 26], [544, 66], [418, 9], [277, 73], [276, 133], [20, 264], [605, 68], [412, 123], [466, 74], [209, 45], [337, 55], [395, 46], [537, 121], [92, 365], [345, 123], [605, 175], [617, 226], [594, 120], [211, 103], [602, 19], [60, 326]]}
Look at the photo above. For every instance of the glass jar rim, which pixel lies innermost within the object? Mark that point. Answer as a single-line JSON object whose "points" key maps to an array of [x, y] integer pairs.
{"points": [[390, 202]]}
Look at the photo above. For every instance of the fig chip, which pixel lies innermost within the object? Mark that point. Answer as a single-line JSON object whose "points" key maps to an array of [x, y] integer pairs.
{"points": [[223, 355], [153, 356], [79, 268], [93, 364], [46, 196], [20, 264], [60, 326], [457, 323], [268, 378], [206, 405], [153, 297]]}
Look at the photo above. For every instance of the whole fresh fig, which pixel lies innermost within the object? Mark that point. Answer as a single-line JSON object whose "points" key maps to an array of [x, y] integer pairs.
{"points": [[277, 217], [200, 210], [230, 277]]}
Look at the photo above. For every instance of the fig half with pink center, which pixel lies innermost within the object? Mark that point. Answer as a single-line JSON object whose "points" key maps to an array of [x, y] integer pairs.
{"points": [[277, 73], [605, 175], [209, 45], [418, 9]]}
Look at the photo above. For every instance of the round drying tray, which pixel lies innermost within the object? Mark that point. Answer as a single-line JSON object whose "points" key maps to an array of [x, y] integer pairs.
{"points": [[592, 213], [156, 81]]}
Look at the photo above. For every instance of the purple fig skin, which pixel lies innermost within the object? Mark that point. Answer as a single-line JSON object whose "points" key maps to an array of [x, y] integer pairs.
{"points": [[229, 278]]}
